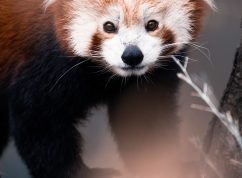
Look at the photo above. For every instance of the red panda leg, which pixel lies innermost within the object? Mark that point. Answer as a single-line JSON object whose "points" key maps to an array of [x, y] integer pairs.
{"points": [[50, 145], [44, 120], [52, 149]]}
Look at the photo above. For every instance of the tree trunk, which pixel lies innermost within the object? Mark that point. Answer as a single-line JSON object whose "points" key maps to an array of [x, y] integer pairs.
{"points": [[220, 146]]}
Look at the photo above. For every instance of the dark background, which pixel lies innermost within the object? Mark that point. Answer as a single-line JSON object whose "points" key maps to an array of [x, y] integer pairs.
{"points": [[221, 36]]}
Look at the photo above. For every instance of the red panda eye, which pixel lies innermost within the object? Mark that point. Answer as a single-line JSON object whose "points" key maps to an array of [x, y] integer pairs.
{"points": [[109, 27], [152, 25]]}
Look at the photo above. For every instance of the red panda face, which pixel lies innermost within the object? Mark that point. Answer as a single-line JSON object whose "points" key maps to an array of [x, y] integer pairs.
{"points": [[131, 36]]}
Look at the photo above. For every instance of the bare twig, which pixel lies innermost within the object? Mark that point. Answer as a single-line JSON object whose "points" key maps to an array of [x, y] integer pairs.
{"points": [[225, 118]]}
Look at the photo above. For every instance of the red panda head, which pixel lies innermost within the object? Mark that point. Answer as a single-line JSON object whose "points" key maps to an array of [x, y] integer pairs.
{"points": [[129, 36]]}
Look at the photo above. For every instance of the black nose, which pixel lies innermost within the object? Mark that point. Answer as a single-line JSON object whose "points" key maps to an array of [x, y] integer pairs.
{"points": [[132, 56]]}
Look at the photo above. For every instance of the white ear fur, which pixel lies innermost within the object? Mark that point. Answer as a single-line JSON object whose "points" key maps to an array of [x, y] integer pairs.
{"points": [[211, 4], [47, 3]]}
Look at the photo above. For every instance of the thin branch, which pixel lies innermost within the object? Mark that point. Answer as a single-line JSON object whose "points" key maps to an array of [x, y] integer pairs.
{"points": [[225, 118]]}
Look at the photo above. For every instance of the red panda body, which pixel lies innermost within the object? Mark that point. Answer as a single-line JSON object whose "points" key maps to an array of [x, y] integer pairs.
{"points": [[58, 59]]}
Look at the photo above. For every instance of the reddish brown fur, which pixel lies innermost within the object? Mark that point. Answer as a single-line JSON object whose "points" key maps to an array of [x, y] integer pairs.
{"points": [[169, 37], [21, 27], [62, 16], [96, 43], [198, 9]]}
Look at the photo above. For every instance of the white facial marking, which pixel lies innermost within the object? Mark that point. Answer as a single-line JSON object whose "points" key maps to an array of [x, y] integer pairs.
{"points": [[178, 20], [81, 29], [114, 48]]}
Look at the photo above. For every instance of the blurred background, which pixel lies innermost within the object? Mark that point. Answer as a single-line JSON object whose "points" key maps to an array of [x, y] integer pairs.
{"points": [[220, 37]]}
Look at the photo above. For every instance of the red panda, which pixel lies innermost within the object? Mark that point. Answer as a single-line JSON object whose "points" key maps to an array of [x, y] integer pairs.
{"points": [[51, 52]]}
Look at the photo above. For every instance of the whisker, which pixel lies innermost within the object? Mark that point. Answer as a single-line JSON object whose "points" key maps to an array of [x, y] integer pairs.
{"points": [[104, 70], [109, 80], [146, 78], [149, 79], [64, 74], [199, 48], [196, 46]]}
